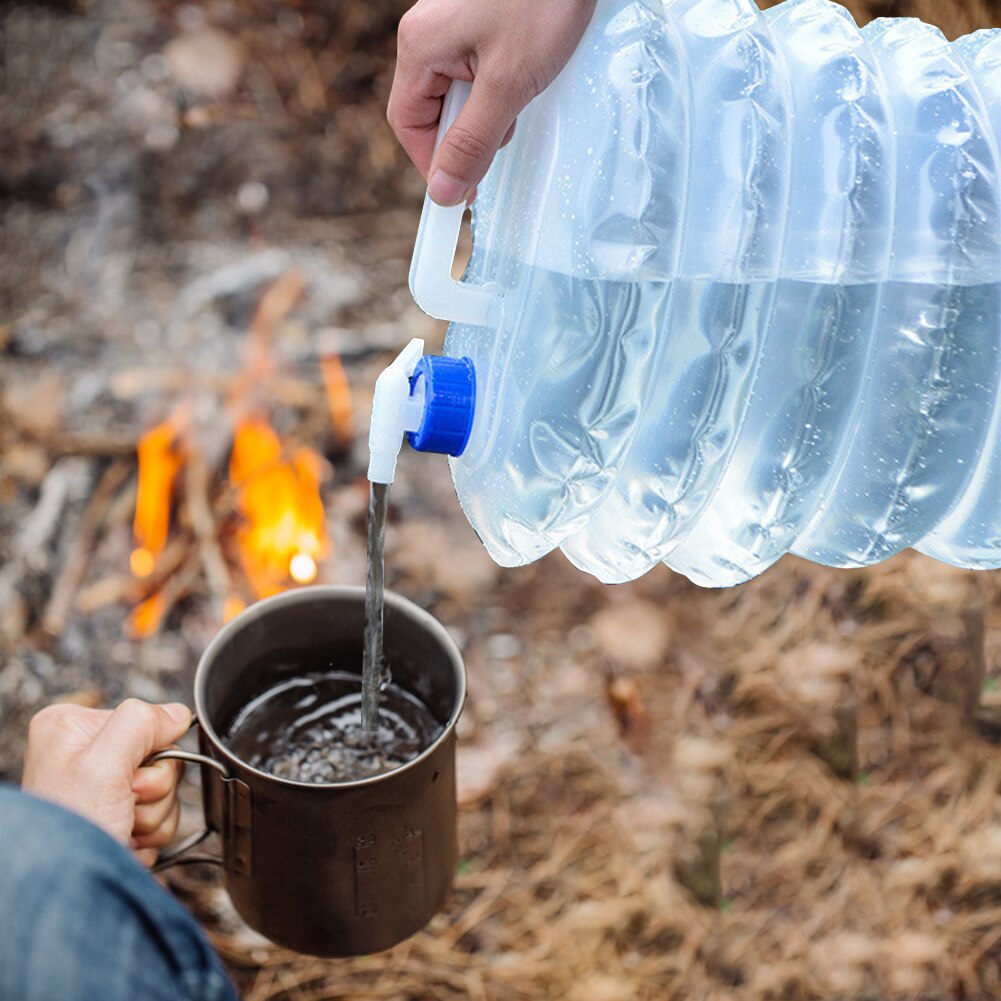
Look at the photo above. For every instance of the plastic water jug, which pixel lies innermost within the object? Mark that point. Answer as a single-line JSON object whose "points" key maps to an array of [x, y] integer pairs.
{"points": [[735, 291]]}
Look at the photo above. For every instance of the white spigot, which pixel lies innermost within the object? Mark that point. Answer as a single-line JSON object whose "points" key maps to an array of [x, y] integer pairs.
{"points": [[394, 413]]}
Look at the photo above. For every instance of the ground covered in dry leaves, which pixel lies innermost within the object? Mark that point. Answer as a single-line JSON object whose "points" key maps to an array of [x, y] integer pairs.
{"points": [[789, 790]]}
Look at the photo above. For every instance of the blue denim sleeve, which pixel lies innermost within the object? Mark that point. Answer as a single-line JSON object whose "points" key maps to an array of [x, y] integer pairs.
{"points": [[81, 919]]}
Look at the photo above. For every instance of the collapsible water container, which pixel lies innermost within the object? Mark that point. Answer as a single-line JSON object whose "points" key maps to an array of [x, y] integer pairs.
{"points": [[735, 291]]}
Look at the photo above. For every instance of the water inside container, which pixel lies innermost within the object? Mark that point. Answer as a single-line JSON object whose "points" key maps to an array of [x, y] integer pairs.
{"points": [[746, 269]]}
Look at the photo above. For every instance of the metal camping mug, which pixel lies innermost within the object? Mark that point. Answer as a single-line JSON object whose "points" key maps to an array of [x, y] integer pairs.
{"points": [[329, 869]]}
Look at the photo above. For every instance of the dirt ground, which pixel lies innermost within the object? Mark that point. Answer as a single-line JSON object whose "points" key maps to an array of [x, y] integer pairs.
{"points": [[788, 790]]}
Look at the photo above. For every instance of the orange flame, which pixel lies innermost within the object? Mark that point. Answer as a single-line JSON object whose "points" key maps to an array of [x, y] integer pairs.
{"points": [[284, 532], [161, 456]]}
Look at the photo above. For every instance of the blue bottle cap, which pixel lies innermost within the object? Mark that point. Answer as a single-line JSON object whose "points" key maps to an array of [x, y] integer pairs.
{"points": [[449, 388]]}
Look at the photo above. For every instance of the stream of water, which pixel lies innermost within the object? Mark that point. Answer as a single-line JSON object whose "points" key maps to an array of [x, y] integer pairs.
{"points": [[372, 660]]}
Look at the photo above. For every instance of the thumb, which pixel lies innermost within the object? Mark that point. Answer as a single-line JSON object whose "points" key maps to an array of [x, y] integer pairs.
{"points": [[136, 729], [471, 142]]}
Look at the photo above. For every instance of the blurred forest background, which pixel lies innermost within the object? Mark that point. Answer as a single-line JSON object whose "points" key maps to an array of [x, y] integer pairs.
{"points": [[785, 791]]}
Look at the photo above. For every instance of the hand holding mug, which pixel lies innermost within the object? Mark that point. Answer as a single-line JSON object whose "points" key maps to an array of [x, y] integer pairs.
{"points": [[90, 761]]}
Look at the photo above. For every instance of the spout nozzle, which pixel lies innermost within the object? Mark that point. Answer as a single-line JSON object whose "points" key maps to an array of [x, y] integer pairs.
{"points": [[393, 413]]}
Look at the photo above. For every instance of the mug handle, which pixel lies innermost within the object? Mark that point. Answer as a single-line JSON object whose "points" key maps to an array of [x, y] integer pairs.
{"points": [[176, 854]]}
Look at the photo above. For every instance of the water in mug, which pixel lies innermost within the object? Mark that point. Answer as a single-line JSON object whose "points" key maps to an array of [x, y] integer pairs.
{"points": [[309, 729]]}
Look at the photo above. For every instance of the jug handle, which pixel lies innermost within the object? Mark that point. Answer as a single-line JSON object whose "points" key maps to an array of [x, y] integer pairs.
{"points": [[431, 282]]}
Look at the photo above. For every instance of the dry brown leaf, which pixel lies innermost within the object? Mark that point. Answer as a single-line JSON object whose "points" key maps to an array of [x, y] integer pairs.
{"points": [[602, 987], [477, 769], [634, 633], [21, 399], [625, 699], [208, 62], [26, 463]]}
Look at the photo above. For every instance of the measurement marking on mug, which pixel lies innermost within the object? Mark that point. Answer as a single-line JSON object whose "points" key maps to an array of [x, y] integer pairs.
{"points": [[400, 862]]}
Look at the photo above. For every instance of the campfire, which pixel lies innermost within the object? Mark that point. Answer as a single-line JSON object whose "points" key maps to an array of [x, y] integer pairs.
{"points": [[258, 523]]}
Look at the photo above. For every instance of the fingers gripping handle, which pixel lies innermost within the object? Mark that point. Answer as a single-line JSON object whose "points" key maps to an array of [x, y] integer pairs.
{"points": [[234, 824], [431, 282], [177, 854]]}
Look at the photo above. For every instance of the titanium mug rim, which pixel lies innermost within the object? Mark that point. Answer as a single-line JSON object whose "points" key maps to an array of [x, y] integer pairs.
{"points": [[320, 592]]}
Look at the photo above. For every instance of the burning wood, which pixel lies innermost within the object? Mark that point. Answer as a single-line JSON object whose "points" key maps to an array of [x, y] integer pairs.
{"points": [[278, 300], [342, 415], [273, 486]]}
